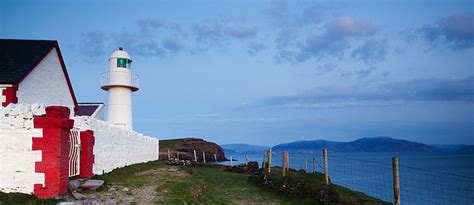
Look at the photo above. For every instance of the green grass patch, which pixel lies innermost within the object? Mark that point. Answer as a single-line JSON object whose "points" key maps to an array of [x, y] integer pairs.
{"points": [[127, 176], [171, 144], [210, 186], [303, 184], [18, 198]]}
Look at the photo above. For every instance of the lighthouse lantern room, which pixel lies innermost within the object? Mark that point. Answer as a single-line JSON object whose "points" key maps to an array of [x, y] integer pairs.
{"points": [[120, 82]]}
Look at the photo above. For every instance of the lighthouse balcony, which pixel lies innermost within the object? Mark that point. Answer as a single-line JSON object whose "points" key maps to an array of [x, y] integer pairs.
{"points": [[119, 79]]}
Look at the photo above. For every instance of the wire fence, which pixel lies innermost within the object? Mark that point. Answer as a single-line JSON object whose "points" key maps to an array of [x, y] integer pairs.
{"points": [[371, 178], [422, 186], [417, 186], [374, 177]]}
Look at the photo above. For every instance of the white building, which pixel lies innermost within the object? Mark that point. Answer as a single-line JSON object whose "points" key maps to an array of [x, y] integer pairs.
{"points": [[46, 136], [33, 71]]}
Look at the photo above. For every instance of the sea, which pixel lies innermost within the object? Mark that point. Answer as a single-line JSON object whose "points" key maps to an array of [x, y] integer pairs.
{"points": [[435, 177]]}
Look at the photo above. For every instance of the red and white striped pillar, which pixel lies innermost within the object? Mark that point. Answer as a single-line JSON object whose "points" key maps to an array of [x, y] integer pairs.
{"points": [[54, 145]]}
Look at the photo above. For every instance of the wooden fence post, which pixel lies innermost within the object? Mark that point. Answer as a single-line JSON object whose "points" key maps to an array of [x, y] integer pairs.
{"points": [[314, 164], [326, 174], [269, 160], [396, 181], [283, 164], [169, 155], [287, 162], [264, 158], [177, 154], [305, 165], [204, 157], [195, 156], [215, 158]]}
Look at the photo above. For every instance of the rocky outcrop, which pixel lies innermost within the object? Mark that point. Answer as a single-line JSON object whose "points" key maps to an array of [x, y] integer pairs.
{"points": [[186, 149]]}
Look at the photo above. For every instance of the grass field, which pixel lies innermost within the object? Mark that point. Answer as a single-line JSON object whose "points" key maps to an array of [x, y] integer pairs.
{"points": [[197, 185], [156, 182]]}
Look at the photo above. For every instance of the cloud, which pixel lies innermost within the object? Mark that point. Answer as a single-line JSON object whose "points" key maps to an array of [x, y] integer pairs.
{"points": [[335, 39], [255, 48], [418, 90], [137, 44], [362, 73], [455, 31], [239, 31], [281, 14], [371, 51], [172, 44], [215, 32], [149, 24], [93, 43], [345, 26]]}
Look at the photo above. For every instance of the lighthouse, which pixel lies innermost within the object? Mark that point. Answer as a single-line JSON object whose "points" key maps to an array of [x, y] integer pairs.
{"points": [[120, 82]]}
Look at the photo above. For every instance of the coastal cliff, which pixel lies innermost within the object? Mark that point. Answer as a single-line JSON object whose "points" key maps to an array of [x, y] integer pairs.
{"points": [[186, 147]]}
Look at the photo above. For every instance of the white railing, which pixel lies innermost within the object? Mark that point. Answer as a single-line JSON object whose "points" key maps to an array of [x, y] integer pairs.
{"points": [[119, 78]]}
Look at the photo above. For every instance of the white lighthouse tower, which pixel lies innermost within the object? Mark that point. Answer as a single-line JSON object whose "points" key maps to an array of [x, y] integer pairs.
{"points": [[120, 82]]}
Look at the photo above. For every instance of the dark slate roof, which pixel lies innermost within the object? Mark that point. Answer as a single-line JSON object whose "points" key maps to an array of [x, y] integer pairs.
{"points": [[18, 57], [87, 109]]}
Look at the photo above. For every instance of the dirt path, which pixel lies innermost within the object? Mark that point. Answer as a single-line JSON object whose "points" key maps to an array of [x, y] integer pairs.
{"points": [[126, 192]]}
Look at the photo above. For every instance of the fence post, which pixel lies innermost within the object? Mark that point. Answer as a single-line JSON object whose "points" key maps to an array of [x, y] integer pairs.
{"points": [[326, 174], [264, 158], [247, 158], [231, 164], [169, 155], [177, 154], [204, 157], [283, 164], [287, 161], [305, 164], [314, 164], [195, 157], [215, 158], [269, 160], [396, 181]]}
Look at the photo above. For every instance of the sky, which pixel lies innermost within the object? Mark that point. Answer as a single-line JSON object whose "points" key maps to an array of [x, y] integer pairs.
{"points": [[270, 72]]}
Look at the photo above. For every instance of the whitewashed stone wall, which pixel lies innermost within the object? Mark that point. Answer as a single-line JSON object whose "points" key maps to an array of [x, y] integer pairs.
{"points": [[17, 159], [117, 147]]}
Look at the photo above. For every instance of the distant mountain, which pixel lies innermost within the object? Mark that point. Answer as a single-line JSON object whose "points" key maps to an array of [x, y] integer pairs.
{"points": [[448, 146], [467, 148], [242, 149], [368, 144]]}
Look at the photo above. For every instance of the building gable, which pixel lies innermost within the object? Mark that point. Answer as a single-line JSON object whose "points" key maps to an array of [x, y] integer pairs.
{"points": [[19, 59], [47, 83]]}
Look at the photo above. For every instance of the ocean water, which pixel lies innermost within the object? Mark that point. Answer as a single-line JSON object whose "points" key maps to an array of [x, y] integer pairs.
{"points": [[425, 177]]}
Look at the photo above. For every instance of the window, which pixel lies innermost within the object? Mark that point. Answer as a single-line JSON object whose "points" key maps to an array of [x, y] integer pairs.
{"points": [[123, 63]]}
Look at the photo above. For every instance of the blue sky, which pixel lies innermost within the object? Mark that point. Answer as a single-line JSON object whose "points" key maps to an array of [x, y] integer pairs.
{"points": [[268, 72]]}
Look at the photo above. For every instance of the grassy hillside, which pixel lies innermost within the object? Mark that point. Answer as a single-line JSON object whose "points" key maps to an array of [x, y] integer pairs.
{"points": [[156, 182], [186, 147], [185, 185]]}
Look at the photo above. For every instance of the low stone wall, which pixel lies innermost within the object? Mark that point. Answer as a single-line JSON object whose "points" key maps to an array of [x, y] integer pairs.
{"points": [[17, 169], [34, 149], [17, 158], [116, 146]]}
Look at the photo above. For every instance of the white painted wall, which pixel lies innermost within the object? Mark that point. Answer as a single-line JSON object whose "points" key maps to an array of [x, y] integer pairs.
{"points": [[46, 84], [17, 159], [2, 98], [116, 146]]}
